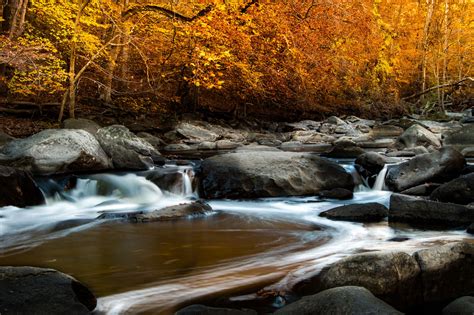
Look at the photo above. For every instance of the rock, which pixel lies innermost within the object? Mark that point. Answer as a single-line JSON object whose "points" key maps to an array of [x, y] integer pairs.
{"points": [[421, 190], [337, 193], [195, 134], [270, 174], [345, 149], [461, 306], [390, 276], [206, 145], [327, 128], [311, 137], [156, 142], [386, 131], [172, 181], [377, 143], [420, 150], [265, 139], [227, 145], [126, 150], [370, 163], [439, 166], [417, 135], [404, 153], [17, 188], [459, 190], [468, 152], [29, 290], [207, 310], [5, 138], [461, 138], [447, 272], [335, 121], [302, 125], [470, 229], [257, 148], [367, 212], [170, 213], [348, 300], [81, 123], [56, 151], [176, 147], [427, 213]]}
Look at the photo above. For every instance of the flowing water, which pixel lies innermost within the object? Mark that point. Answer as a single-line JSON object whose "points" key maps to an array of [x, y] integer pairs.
{"points": [[157, 267]]}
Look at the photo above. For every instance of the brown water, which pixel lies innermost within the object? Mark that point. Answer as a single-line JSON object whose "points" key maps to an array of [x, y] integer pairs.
{"points": [[116, 257]]}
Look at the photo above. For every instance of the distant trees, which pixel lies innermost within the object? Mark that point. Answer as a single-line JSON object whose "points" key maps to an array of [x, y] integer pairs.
{"points": [[241, 55]]}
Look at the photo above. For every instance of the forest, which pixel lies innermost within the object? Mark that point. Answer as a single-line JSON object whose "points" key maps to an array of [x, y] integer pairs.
{"points": [[285, 58]]}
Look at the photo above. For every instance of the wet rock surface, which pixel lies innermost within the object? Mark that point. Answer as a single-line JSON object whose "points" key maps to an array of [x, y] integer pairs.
{"points": [[420, 212], [17, 188], [351, 300], [439, 166], [459, 190], [207, 310], [270, 174], [29, 290], [461, 306], [367, 212]]}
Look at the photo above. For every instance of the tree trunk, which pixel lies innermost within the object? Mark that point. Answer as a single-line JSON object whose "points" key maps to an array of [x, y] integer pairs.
{"points": [[426, 29], [13, 13], [445, 52]]}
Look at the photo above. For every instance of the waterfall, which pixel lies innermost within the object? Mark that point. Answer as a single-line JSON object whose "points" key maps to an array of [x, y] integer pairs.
{"points": [[187, 184], [359, 183], [380, 180]]}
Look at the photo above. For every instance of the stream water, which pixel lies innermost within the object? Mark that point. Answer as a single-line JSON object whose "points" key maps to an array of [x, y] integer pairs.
{"points": [[158, 267]]}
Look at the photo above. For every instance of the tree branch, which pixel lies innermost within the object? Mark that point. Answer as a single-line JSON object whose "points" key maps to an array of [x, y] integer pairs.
{"points": [[167, 12], [441, 86]]}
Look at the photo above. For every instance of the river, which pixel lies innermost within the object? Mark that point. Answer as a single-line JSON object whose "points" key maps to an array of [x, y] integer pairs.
{"points": [[245, 246]]}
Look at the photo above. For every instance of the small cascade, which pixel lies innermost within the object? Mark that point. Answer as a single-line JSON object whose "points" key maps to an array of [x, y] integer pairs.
{"points": [[380, 180], [359, 183], [187, 183]]}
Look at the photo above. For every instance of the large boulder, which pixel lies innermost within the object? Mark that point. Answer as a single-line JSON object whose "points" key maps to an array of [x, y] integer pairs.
{"points": [[17, 188], [461, 306], [447, 272], [459, 190], [426, 213], [5, 138], [81, 123], [29, 290], [439, 166], [348, 300], [391, 276], [56, 151], [417, 135], [126, 150], [207, 310], [270, 174], [345, 148], [370, 163], [366, 212], [460, 138]]}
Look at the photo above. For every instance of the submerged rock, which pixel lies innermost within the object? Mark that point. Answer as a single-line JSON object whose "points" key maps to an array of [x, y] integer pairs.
{"points": [[348, 300], [170, 213], [447, 272], [439, 166], [270, 174], [367, 212], [459, 190], [17, 188], [427, 213], [126, 150], [391, 276], [461, 306], [207, 310], [56, 151], [29, 290]]}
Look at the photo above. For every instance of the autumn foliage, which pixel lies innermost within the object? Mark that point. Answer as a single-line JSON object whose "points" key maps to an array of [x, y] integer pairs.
{"points": [[298, 57]]}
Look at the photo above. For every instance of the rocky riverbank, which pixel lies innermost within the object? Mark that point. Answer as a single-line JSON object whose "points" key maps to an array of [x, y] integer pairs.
{"points": [[425, 164]]}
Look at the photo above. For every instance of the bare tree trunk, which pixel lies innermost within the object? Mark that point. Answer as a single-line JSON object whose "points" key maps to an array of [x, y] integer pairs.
{"points": [[18, 18], [71, 93], [426, 29], [445, 52]]}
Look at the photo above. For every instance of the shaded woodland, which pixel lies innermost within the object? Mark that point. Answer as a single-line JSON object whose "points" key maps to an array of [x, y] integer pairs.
{"points": [[277, 58]]}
